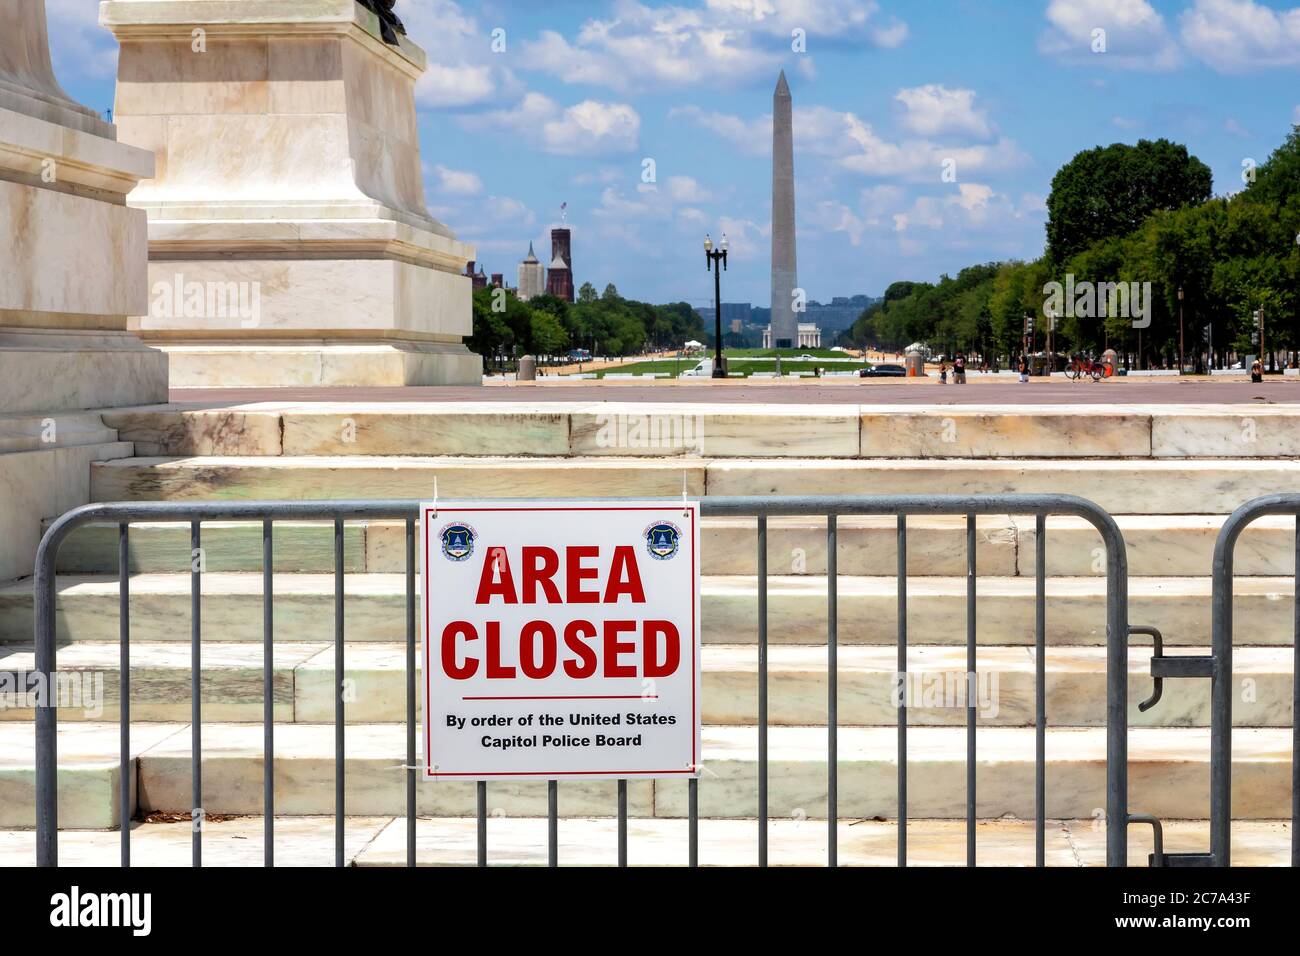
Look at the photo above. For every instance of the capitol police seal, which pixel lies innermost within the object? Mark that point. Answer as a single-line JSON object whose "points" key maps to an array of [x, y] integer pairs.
{"points": [[663, 540], [458, 541]]}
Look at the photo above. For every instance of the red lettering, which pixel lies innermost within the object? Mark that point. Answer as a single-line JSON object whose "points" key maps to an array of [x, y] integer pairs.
{"points": [[576, 573], [624, 577], [450, 667], [496, 560], [528, 647], [534, 576], [614, 647], [576, 634], [652, 632], [495, 670]]}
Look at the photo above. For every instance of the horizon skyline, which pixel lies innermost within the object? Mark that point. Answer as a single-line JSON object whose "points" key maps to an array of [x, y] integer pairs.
{"points": [[887, 95]]}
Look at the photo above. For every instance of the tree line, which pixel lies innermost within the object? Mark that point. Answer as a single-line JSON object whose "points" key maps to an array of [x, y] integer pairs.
{"points": [[506, 327], [1125, 221]]}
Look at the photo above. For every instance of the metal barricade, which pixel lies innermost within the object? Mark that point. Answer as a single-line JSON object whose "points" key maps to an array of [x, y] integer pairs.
{"points": [[1218, 668], [760, 508]]}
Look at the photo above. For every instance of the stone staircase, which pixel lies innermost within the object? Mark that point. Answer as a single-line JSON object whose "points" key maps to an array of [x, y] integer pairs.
{"points": [[1150, 467]]}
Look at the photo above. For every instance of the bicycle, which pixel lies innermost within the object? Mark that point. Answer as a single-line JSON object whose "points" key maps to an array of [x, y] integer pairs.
{"points": [[1081, 367]]}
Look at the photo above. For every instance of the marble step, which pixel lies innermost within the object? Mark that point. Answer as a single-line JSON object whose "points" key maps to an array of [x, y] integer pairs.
{"points": [[1144, 486], [88, 779], [646, 429], [797, 685], [36, 432], [520, 841], [799, 842], [1157, 546], [374, 609], [1168, 774]]}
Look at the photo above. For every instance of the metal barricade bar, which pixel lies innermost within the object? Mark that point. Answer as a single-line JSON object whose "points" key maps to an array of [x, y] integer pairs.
{"points": [[1221, 675], [760, 508]]}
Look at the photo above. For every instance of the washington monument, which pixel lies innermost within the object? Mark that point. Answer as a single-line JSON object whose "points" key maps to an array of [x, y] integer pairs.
{"points": [[785, 323]]}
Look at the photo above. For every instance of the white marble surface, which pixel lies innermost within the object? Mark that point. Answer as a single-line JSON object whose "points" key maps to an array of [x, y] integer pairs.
{"points": [[197, 479], [955, 432], [197, 432], [321, 209], [1139, 486], [469, 431], [38, 485], [1076, 609], [1251, 432], [375, 778]]}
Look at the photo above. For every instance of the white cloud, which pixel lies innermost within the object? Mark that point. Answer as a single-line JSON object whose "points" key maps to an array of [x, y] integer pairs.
{"points": [[463, 70], [727, 41], [935, 110], [78, 44], [753, 137], [588, 128], [1135, 34], [852, 144], [973, 206], [457, 182], [684, 189], [1234, 128], [506, 210], [852, 19], [1235, 36]]}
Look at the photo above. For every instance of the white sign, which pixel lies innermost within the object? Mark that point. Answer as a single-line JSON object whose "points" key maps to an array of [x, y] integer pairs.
{"points": [[561, 639]]}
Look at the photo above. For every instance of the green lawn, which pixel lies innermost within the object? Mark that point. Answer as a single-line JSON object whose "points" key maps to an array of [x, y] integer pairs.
{"points": [[739, 364]]}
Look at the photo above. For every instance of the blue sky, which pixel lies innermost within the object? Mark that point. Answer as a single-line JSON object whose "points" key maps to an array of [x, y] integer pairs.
{"points": [[888, 95]]}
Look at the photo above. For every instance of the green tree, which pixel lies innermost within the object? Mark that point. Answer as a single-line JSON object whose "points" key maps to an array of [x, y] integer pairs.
{"points": [[587, 293], [1109, 191]]}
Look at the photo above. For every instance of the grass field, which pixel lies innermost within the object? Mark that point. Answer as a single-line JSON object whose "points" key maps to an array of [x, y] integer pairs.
{"points": [[739, 364]]}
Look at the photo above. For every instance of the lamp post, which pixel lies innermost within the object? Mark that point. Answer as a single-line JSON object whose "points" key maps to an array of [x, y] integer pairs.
{"points": [[1182, 365], [716, 261]]}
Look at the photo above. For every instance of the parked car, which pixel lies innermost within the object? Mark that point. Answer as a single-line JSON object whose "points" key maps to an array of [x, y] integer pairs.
{"points": [[884, 371]]}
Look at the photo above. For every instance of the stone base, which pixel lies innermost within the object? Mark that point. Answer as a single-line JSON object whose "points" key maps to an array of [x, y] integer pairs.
{"points": [[309, 364], [45, 470], [49, 369]]}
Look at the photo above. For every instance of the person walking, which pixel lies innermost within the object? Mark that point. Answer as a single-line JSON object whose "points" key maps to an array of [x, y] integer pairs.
{"points": [[1257, 371], [943, 373], [1023, 368], [959, 369]]}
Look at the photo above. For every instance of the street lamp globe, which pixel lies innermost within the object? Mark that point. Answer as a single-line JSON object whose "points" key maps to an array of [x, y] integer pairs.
{"points": [[725, 244], [708, 243]]}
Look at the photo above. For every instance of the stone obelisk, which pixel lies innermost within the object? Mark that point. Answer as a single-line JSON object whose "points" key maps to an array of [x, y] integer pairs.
{"points": [[785, 322]]}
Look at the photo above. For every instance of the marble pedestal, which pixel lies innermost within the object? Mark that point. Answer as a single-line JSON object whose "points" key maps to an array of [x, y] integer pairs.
{"points": [[289, 240], [72, 272]]}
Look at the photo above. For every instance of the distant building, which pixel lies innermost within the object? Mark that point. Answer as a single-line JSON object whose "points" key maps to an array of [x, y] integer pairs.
{"points": [[498, 280], [810, 336], [840, 314], [559, 275], [477, 276], [732, 313], [532, 276]]}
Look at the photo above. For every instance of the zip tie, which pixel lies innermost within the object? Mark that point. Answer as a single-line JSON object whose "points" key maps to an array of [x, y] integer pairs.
{"points": [[686, 511], [435, 496]]}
